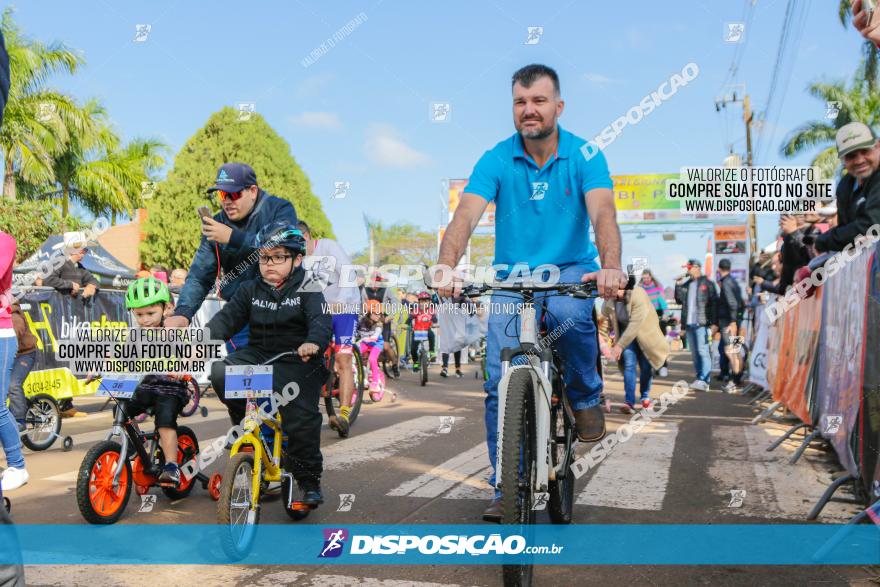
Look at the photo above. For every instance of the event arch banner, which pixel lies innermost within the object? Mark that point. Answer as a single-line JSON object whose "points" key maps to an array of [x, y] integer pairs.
{"points": [[641, 198]]}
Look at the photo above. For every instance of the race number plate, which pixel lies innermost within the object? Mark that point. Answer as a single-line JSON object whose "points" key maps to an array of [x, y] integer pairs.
{"points": [[248, 381], [420, 335], [118, 385]]}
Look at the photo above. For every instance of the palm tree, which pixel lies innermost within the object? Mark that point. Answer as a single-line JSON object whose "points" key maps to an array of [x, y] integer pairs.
{"points": [[95, 169], [36, 119], [869, 51], [858, 102]]}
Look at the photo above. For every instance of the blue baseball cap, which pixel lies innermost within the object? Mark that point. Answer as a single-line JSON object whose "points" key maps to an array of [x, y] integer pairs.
{"points": [[234, 177]]}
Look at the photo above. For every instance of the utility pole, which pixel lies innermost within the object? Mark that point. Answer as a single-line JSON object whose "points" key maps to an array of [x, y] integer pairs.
{"points": [[748, 118]]}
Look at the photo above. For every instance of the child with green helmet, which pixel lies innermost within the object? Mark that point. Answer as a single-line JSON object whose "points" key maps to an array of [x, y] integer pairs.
{"points": [[149, 300]]}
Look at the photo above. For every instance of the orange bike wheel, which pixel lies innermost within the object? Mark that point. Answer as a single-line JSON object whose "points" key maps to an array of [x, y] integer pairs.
{"points": [[99, 501]]}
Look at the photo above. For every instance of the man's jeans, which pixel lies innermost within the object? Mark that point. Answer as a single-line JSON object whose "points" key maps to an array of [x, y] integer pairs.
{"points": [[632, 356], [698, 342], [575, 339]]}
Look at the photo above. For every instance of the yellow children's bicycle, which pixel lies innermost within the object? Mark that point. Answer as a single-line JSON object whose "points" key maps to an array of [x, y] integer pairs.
{"points": [[253, 463]]}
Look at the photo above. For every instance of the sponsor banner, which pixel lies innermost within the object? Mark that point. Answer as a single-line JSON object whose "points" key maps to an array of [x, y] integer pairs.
{"points": [[774, 342], [52, 316], [870, 420], [841, 352], [797, 354], [758, 355], [456, 188], [607, 544]]}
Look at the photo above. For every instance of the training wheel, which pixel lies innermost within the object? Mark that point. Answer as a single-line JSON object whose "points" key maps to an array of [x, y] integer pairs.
{"points": [[204, 411], [7, 505], [68, 443], [214, 486]]}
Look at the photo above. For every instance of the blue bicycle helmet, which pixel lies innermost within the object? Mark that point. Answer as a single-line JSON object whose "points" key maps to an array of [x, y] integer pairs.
{"points": [[281, 234]]}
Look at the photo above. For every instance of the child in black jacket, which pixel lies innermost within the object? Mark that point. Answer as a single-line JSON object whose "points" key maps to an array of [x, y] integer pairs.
{"points": [[281, 318]]}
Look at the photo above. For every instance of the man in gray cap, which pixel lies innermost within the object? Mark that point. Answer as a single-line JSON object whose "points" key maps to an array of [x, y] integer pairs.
{"points": [[858, 192]]}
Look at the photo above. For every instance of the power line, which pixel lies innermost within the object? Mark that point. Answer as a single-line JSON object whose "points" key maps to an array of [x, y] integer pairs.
{"points": [[789, 39]]}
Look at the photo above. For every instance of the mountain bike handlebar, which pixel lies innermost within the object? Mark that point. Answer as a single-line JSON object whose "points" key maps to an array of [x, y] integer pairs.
{"points": [[578, 290]]}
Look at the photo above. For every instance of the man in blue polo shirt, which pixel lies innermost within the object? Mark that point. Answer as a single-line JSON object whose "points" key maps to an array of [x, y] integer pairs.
{"points": [[548, 186]]}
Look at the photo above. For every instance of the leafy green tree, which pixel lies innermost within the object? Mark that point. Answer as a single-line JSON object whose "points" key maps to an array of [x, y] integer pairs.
{"points": [[172, 229], [400, 244], [36, 119], [31, 223], [857, 103]]}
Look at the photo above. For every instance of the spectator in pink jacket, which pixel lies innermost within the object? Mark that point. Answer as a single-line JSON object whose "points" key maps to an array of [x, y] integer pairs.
{"points": [[15, 474]]}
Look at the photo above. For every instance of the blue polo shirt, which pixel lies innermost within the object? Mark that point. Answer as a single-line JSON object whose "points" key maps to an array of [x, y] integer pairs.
{"points": [[540, 213]]}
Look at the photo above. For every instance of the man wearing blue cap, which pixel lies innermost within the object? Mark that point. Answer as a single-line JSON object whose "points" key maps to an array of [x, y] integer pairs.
{"points": [[229, 237]]}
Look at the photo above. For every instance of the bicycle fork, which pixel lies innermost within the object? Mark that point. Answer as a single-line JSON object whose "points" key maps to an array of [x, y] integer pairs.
{"points": [[538, 366]]}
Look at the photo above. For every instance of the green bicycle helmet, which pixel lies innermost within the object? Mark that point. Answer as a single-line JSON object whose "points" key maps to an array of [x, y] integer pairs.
{"points": [[146, 291]]}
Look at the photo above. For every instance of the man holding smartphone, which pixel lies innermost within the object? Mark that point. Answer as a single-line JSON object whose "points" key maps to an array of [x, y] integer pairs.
{"points": [[228, 240]]}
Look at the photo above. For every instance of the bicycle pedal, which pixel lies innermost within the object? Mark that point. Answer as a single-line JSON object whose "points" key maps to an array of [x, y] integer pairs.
{"points": [[299, 506]]}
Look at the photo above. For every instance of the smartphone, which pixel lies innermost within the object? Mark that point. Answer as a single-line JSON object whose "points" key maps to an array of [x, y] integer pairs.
{"points": [[204, 212]]}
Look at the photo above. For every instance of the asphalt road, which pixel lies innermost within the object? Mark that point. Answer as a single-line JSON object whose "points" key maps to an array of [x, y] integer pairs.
{"points": [[404, 466]]}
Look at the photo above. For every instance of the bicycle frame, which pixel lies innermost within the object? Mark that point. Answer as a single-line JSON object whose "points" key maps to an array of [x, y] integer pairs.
{"points": [[129, 433], [539, 367], [253, 437]]}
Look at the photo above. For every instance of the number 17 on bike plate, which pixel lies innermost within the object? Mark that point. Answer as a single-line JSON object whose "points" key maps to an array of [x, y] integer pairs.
{"points": [[248, 381]]}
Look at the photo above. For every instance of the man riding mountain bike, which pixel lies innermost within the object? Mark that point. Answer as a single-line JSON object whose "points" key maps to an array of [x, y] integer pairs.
{"points": [[549, 187]]}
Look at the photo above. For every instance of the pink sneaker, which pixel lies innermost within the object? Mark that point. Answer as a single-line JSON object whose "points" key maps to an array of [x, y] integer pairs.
{"points": [[376, 392]]}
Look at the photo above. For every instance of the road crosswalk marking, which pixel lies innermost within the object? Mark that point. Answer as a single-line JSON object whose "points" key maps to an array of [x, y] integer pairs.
{"points": [[773, 487], [443, 477], [635, 473]]}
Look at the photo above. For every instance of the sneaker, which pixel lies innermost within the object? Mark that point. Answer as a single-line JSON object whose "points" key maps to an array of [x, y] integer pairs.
{"points": [[627, 408], [700, 385], [415, 367], [341, 424], [170, 476], [444, 372], [458, 373], [13, 478], [310, 496], [646, 402], [663, 372], [730, 387], [590, 424], [493, 512]]}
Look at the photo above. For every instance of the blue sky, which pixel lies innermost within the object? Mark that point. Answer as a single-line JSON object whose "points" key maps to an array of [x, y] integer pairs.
{"points": [[360, 113]]}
